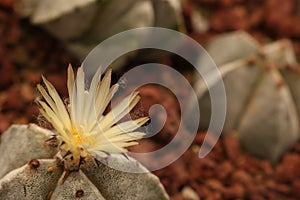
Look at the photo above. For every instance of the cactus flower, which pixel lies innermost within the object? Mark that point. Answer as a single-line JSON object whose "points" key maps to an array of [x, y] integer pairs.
{"points": [[82, 128]]}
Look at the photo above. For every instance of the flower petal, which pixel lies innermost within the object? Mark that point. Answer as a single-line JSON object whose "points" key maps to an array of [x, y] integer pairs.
{"points": [[61, 109], [79, 100], [125, 127], [119, 111], [102, 92]]}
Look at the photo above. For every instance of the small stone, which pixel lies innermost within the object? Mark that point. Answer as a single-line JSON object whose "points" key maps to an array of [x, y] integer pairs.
{"points": [[266, 167], [288, 169], [234, 192], [241, 176], [189, 194], [27, 92], [250, 164], [232, 147], [205, 168], [224, 169], [168, 178], [255, 190], [214, 184], [283, 189]]}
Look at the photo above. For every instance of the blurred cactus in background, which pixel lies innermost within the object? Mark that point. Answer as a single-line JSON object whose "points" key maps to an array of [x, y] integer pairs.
{"points": [[83, 24], [263, 100]]}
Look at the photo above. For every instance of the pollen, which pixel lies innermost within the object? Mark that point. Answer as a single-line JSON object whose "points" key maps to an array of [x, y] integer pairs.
{"points": [[78, 140]]}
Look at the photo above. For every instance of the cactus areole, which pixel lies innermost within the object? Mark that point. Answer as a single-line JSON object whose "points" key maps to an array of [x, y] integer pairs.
{"points": [[83, 132]]}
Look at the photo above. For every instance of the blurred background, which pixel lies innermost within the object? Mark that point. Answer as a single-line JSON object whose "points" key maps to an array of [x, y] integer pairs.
{"points": [[43, 37]]}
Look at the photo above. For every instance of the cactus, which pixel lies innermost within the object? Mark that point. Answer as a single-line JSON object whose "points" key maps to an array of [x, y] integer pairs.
{"points": [[27, 157], [83, 24], [88, 148], [263, 100]]}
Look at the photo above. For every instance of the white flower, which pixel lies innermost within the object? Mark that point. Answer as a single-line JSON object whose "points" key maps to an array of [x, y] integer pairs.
{"points": [[81, 125]]}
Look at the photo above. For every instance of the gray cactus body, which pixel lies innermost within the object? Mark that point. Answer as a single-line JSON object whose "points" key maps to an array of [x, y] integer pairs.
{"points": [[26, 174], [262, 93]]}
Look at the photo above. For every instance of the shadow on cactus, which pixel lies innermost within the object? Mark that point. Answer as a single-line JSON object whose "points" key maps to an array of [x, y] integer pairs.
{"points": [[82, 140]]}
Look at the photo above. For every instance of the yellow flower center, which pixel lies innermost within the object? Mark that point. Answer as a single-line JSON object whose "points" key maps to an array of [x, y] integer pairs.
{"points": [[78, 139], [77, 134]]}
